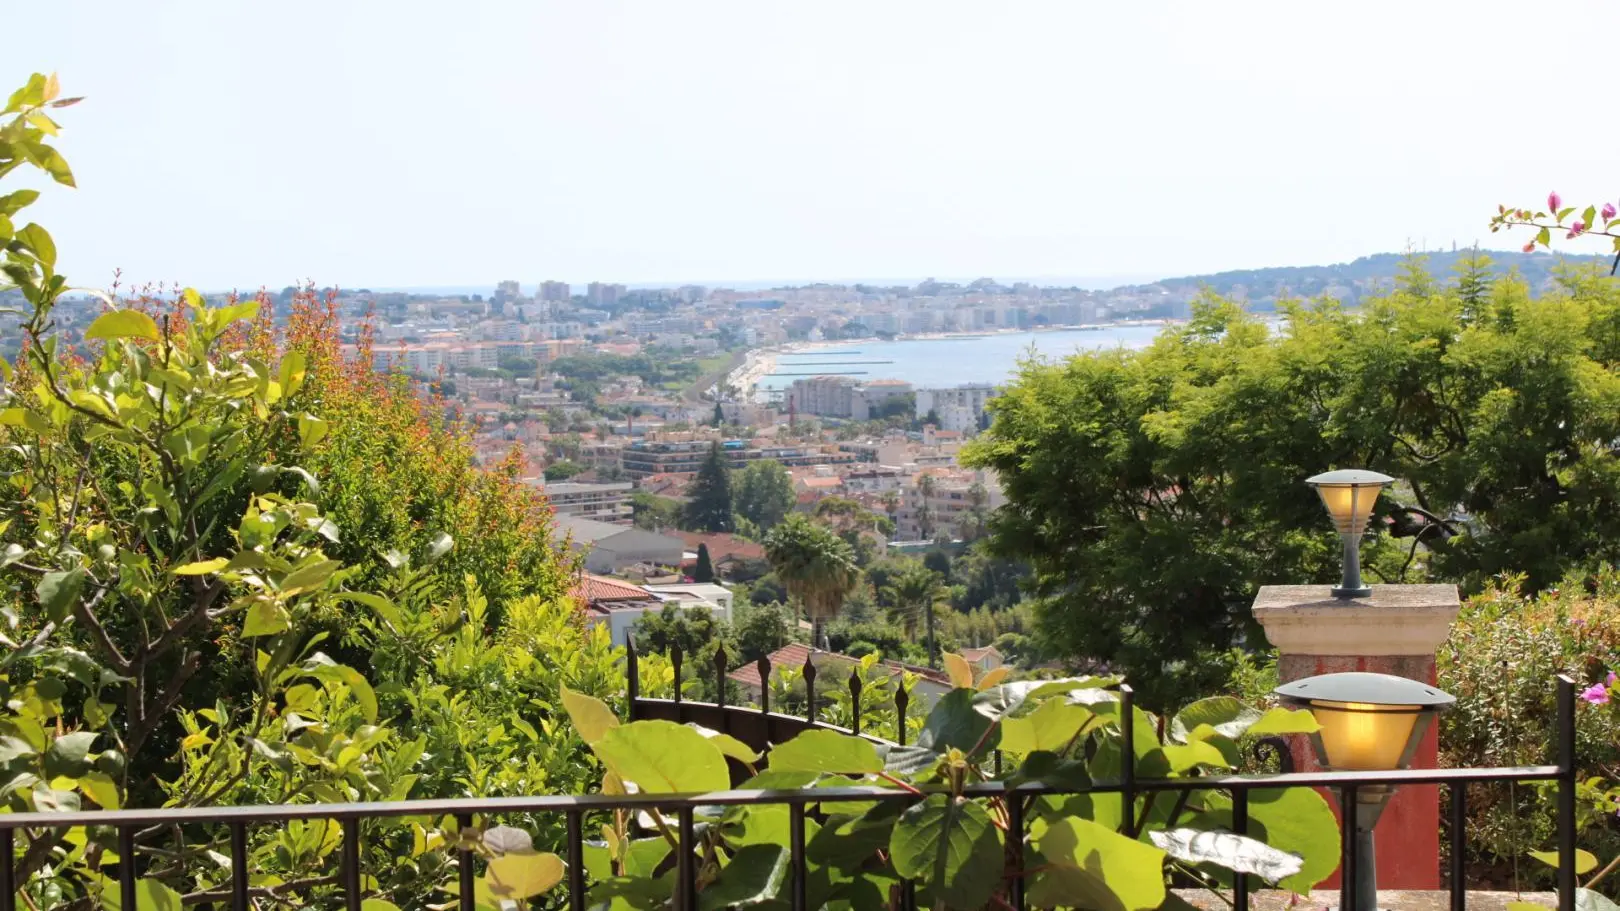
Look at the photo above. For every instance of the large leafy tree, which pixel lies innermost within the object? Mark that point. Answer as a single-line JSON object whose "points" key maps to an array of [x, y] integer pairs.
{"points": [[764, 493], [1153, 491], [708, 505], [816, 566]]}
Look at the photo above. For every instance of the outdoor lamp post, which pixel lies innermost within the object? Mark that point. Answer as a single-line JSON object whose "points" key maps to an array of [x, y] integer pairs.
{"points": [[1369, 723], [1349, 495]]}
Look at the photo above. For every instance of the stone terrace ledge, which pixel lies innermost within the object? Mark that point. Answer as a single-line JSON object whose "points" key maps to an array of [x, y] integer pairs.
{"points": [[1388, 900]]}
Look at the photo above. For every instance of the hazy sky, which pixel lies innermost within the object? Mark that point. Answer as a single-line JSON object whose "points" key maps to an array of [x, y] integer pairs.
{"points": [[430, 143]]}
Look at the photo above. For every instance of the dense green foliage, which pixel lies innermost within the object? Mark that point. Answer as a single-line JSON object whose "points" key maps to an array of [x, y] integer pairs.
{"points": [[763, 493], [1152, 491], [816, 566], [229, 577], [1500, 661], [1064, 733]]}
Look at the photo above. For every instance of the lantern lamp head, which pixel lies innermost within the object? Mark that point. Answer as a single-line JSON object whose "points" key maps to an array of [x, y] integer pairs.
{"points": [[1349, 495], [1368, 722]]}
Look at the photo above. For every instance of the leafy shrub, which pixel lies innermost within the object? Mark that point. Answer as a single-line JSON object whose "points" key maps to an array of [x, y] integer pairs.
{"points": [[1500, 661]]}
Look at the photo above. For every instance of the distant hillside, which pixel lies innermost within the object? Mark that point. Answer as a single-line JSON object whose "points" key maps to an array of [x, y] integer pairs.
{"points": [[1350, 281]]}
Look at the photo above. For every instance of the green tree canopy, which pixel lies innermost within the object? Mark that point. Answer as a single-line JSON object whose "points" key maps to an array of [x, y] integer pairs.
{"points": [[704, 570], [817, 567], [708, 504], [764, 493], [1153, 491]]}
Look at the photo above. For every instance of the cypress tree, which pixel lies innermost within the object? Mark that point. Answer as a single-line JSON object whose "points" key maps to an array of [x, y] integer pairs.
{"points": [[708, 506], [704, 571]]}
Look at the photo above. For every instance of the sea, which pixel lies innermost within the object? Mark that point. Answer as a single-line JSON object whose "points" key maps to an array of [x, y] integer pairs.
{"points": [[950, 360]]}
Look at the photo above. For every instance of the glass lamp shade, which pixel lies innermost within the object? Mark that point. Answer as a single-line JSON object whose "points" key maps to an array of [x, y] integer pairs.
{"points": [[1349, 496], [1369, 722], [1362, 737]]}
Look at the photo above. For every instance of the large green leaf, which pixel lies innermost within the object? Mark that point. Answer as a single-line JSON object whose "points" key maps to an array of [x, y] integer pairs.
{"points": [[591, 716], [1050, 727], [325, 669], [950, 847], [729, 745], [523, 874], [266, 617], [1296, 820], [826, 751], [150, 895], [954, 722], [1585, 861], [66, 755], [1089, 866], [59, 591], [663, 757], [1284, 721], [1225, 849], [1228, 716], [123, 324], [755, 875]]}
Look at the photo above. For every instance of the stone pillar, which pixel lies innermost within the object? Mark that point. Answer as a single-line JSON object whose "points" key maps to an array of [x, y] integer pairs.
{"points": [[1396, 630]]}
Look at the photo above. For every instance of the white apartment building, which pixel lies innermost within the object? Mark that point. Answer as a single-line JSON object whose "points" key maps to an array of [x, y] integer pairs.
{"points": [[869, 398], [827, 396], [964, 403], [554, 291], [948, 506], [608, 502]]}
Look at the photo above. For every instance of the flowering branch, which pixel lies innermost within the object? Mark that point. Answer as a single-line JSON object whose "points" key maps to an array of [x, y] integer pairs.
{"points": [[1603, 222]]}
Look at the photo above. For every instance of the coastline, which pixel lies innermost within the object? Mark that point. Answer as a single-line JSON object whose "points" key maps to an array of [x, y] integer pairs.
{"points": [[762, 362]]}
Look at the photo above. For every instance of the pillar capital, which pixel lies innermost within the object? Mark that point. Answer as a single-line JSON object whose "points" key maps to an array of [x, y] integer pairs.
{"points": [[1394, 620]]}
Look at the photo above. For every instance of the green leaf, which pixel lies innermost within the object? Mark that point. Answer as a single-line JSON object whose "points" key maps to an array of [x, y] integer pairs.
{"points": [[1225, 849], [508, 840], [1543, 237], [16, 201], [66, 755], [292, 372], [202, 567], [311, 429], [385, 609], [1585, 861], [150, 895], [755, 875], [266, 618], [59, 591], [1532, 906], [325, 669], [1296, 820], [953, 722], [310, 576], [101, 788], [591, 716], [523, 875], [38, 240], [1228, 716], [729, 745], [663, 757], [377, 904], [826, 751], [1285, 721], [1051, 769], [123, 324], [1050, 727], [1000, 701], [1094, 867], [950, 847], [1182, 757]]}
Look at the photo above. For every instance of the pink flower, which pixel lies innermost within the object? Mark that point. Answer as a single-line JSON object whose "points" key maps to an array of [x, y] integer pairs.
{"points": [[1530, 247], [1609, 211], [1554, 201], [1596, 694], [1576, 229], [1611, 682]]}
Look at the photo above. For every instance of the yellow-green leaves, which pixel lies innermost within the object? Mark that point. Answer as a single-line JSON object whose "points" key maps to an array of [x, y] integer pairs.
{"points": [[591, 716], [59, 591], [1049, 727], [1585, 861], [291, 373], [39, 242], [961, 673], [123, 324], [202, 567], [662, 757], [951, 848], [311, 429], [1092, 866], [517, 871], [826, 751]]}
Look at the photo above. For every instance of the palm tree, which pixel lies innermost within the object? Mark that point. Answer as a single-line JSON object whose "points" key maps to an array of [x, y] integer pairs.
{"points": [[926, 487], [815, 566], [915, 591]]}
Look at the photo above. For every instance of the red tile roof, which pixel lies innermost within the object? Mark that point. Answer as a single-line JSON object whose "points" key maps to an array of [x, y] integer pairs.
{"points": [[723, 545], [975, 655], [590, 590]]}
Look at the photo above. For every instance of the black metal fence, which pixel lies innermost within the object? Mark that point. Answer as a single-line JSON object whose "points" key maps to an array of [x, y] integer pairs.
{"points": [[575, 809]]}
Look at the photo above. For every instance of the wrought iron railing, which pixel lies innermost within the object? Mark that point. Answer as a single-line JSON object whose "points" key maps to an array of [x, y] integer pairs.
{"points": [[575, 809]]}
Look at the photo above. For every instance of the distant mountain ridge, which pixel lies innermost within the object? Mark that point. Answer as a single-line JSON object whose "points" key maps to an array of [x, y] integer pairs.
{"points": [[1368, 274]]}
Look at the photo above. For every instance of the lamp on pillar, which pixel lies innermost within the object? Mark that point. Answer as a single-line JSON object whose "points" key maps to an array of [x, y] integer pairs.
{"points": [[1368, 722], [1349, 495]]}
